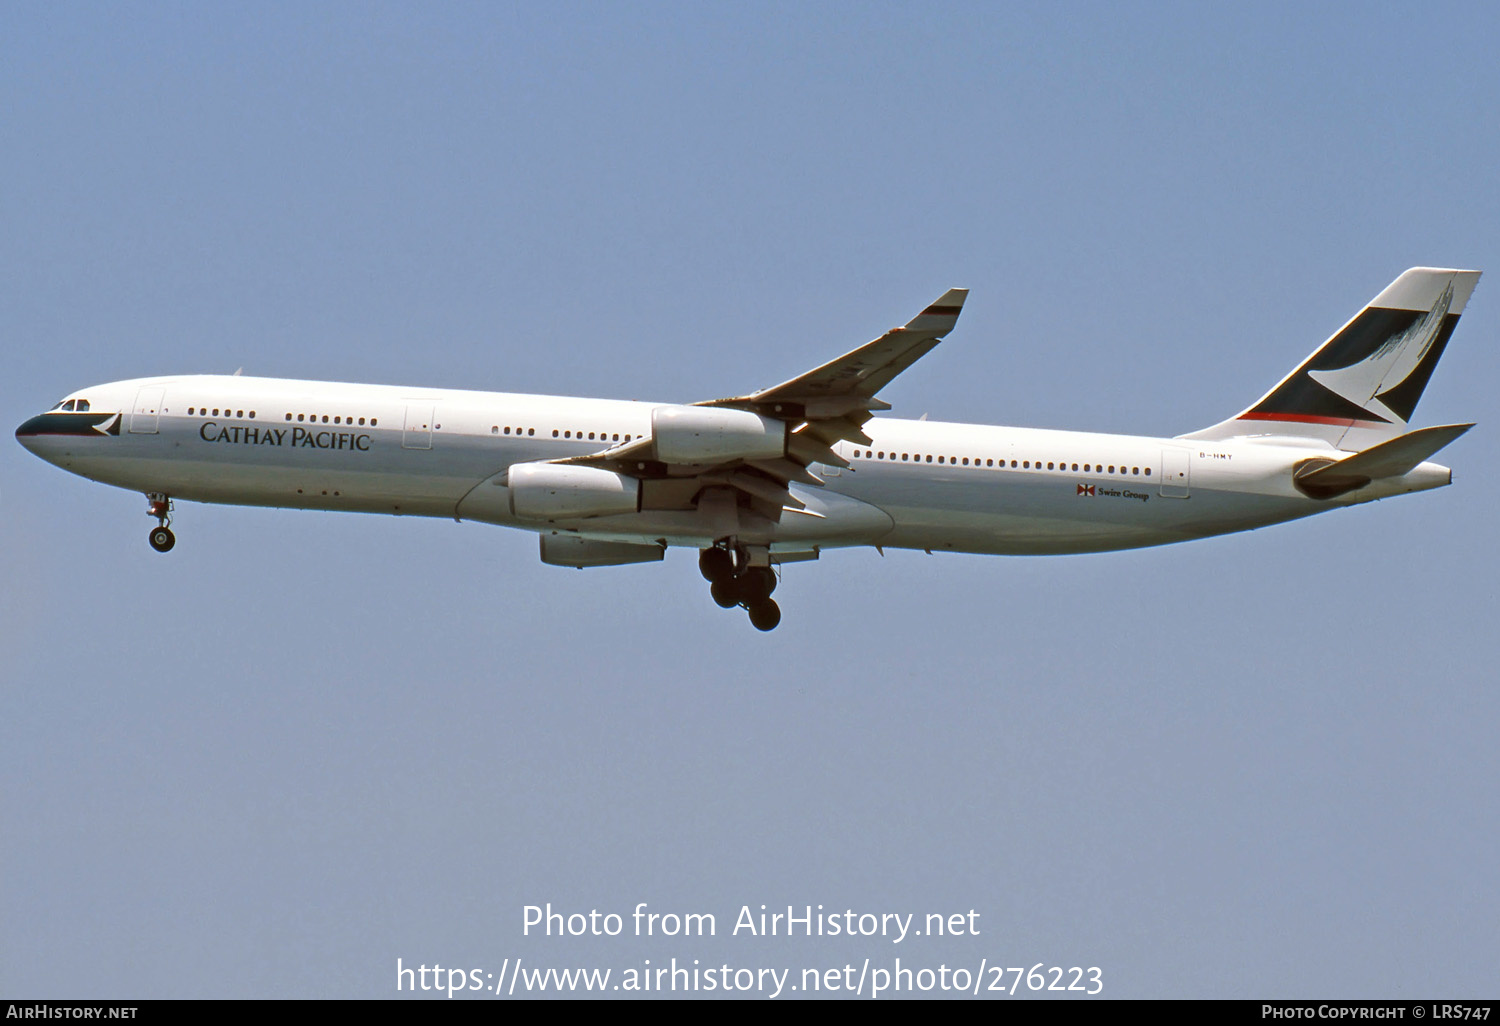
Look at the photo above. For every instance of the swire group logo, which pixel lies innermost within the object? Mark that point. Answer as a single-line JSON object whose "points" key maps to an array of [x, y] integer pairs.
{"points": [[1088, 490]]}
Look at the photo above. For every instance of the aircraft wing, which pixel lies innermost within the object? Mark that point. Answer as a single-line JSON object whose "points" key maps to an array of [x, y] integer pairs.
{"points": [[850, 382], [822, 407]]}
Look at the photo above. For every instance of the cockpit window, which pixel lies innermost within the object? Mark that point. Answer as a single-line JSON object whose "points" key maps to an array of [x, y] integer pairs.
{"points": [[60, 405], [83, 406]]}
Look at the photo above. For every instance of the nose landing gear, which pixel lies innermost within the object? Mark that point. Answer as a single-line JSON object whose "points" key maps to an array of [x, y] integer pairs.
{"points": [[734, 581], [162, 539]]}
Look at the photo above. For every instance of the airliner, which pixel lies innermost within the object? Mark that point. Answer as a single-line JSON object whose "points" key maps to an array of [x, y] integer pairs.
{"points": [[776, 476]]}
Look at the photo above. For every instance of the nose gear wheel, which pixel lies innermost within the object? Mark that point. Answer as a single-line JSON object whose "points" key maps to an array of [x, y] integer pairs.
{"points": [[161, 537]]}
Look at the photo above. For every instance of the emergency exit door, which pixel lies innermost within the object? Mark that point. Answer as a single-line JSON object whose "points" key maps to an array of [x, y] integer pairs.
{"points": [[1176, 473], [146, 413], [417, 434]]}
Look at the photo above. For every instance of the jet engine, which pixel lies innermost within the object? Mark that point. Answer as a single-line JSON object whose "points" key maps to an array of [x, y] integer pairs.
{"points": [[709, 434], [571, 550], [547, 491]]}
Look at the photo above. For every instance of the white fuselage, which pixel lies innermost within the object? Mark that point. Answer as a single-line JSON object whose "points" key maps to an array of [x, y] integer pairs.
{"points": [[919, 484]]}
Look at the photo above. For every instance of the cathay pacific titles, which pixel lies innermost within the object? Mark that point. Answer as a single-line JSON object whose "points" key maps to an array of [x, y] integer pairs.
{"points": [[244, 435]]}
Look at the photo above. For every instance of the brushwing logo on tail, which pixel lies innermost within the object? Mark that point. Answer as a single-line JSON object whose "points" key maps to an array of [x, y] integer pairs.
{"points": [[1394, 361], [1372, 372]]}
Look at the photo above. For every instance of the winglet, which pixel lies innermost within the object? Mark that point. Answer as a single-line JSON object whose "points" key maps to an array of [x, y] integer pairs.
{"points": [[939, 318]]}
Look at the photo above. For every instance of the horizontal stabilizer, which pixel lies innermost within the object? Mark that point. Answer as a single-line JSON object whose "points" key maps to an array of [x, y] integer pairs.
{"points": [[1394, 458]]}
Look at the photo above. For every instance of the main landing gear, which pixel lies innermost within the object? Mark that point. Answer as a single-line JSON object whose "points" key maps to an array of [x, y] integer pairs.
{"points": [[162, 539], [734, 582]]}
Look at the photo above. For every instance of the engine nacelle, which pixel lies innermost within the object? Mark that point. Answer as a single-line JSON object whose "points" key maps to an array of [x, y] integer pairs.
{"points": [[571, 550], [711, 434], [546, 491]]}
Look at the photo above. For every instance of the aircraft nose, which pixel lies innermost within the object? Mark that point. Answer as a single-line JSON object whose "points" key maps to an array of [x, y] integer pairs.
{"points": [[28, 433]]}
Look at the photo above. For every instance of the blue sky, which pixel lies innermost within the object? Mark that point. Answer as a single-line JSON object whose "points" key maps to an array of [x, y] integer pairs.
{"points": [[305, 745]]}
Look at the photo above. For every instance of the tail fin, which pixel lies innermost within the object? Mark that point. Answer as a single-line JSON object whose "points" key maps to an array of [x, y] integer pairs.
{"points": [[1362, 385]]}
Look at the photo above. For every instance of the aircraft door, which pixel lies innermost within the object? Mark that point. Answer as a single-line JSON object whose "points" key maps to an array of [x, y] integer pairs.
{"points": [[145, 414], [417, 434], [1176, 473]]}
